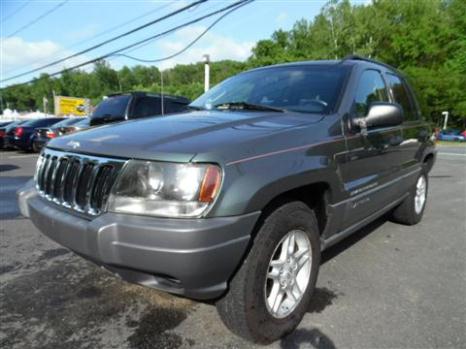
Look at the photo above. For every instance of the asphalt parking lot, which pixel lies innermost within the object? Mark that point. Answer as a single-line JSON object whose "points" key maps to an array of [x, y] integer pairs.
{"points": [[387, 286]]}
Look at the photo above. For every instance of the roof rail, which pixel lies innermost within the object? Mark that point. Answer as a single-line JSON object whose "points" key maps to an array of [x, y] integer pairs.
{"points": [[361, 58]]}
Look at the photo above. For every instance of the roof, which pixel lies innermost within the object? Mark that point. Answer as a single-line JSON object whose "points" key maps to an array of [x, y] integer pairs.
{"points": [[350, 59], [180, 99]]}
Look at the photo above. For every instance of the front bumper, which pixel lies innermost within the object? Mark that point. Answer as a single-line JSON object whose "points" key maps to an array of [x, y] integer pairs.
{"points": [[190, 257]]}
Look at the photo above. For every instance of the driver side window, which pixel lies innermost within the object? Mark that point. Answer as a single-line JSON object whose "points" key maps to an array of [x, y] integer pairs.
{"points": [[371, 89]]}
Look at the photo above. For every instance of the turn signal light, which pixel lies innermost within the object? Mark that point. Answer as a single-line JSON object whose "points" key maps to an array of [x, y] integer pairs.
{"points": [[210, 184]]}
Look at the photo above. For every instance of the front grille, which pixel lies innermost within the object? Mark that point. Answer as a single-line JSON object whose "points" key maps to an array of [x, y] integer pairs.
{"points": [[77, 182]]}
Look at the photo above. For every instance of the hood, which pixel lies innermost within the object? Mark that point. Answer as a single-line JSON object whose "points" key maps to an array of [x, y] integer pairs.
{"points": [[180, 137]]}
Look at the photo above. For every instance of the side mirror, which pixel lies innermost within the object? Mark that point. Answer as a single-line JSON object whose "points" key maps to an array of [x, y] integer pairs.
{"points": [[383, 114]]}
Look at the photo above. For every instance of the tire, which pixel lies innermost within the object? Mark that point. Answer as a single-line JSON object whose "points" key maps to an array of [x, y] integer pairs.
{"points": [[35, 149], [408, 212], [245, 309]]}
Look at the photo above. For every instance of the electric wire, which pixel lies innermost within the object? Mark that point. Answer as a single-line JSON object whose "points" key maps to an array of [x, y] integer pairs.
{"points": [[186, 47], [157, 20], [100, 34], [211, 14], [37, 19], [12, 14]]}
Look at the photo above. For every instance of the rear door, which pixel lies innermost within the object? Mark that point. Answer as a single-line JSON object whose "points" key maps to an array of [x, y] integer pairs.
{"points": [[415, 131], [372, 160], [146, 106]]}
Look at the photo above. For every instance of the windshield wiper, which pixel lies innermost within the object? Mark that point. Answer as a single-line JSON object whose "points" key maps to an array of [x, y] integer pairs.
{"points": [[246, 106]]}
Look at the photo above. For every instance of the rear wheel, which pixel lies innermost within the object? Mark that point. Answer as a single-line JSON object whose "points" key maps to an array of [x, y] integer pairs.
{"points": [[271, 291], [411, 210], [35, 148]]}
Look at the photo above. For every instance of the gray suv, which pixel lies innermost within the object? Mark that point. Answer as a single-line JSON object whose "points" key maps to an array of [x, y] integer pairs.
{"points": [[236, 199]]}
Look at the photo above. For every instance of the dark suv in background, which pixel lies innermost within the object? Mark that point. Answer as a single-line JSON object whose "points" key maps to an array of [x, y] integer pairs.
{"points": [[235, 200], [136, 105]]}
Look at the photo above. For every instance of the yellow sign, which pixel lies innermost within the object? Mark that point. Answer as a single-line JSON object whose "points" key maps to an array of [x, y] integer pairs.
{"points": [[71, 106]]}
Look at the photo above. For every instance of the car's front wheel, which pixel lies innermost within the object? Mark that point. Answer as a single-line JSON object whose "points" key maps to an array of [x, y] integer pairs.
{"points": [[271, 291]]}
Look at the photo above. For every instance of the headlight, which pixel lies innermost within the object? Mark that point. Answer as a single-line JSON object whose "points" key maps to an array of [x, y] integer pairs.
{"points": [[165, 189]]}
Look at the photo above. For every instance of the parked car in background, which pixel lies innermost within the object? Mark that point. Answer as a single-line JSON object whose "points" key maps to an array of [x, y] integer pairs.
{"points": [[451, 135], [464, 134], [44, 134], [5, 123], [23, 134], [82, 125], [7, 133], [136, 105]]}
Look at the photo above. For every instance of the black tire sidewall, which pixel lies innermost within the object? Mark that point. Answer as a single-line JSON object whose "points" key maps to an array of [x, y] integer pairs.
{"points": [[293, 216], [418, 216]]}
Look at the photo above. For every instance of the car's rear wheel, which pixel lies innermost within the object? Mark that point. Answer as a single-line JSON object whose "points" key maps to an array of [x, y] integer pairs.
{"points": [[35, 148], [271, 291], [411, 210]]}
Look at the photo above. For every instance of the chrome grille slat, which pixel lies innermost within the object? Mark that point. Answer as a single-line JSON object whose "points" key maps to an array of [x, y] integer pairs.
{"points": [[90, 189], [41, 172], [77, 182]]}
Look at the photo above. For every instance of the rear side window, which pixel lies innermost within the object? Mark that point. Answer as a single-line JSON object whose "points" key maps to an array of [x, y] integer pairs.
{"points": [[147, 106], [402, 96], [174, 107], [371, 89], [112, 108]]}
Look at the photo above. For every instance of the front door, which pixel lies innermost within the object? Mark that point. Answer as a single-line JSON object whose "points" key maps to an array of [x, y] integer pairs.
{"points": [[372, 160]]}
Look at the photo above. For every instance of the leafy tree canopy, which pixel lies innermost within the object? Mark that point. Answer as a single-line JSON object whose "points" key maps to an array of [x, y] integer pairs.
{"points": [[426, 40]]}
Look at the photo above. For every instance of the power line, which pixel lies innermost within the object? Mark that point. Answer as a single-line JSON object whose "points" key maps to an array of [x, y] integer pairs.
{"points": [[144, 44], [102, 33], [187, 46], [16, 11], [37, 19], [171, 14], [223, 9]]}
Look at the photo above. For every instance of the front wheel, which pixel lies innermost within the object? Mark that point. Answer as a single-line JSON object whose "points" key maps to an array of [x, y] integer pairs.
{"points": [[271, 291]]}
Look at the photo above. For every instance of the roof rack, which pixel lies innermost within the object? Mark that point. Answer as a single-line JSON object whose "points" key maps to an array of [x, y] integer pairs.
{"points": [[353, 57]]}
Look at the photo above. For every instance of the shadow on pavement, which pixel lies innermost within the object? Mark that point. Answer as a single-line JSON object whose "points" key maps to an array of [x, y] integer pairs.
{"points": [[8, 204], [4, 168], [303, 338]]}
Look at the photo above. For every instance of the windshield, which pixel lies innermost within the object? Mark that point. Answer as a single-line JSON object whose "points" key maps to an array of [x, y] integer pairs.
{"points": [[306, 89], [67, 122], [112, 107], [83, 123]]}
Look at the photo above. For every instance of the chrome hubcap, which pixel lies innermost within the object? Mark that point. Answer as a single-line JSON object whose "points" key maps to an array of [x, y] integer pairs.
{"points": [[420, 197], [288, 274]]}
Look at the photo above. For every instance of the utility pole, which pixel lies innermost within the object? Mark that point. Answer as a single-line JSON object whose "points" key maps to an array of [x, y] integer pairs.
{"points": [[206, 59], [45, 103], [1, 103], [445, 121]]}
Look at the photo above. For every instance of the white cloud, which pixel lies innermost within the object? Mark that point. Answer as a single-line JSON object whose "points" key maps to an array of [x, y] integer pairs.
{"points": [[18, 55], [282, 18], [83, 33], [217, 46]]}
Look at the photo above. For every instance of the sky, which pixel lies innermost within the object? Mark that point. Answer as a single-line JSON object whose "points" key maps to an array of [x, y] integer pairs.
{"points": [[30, 37]]}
